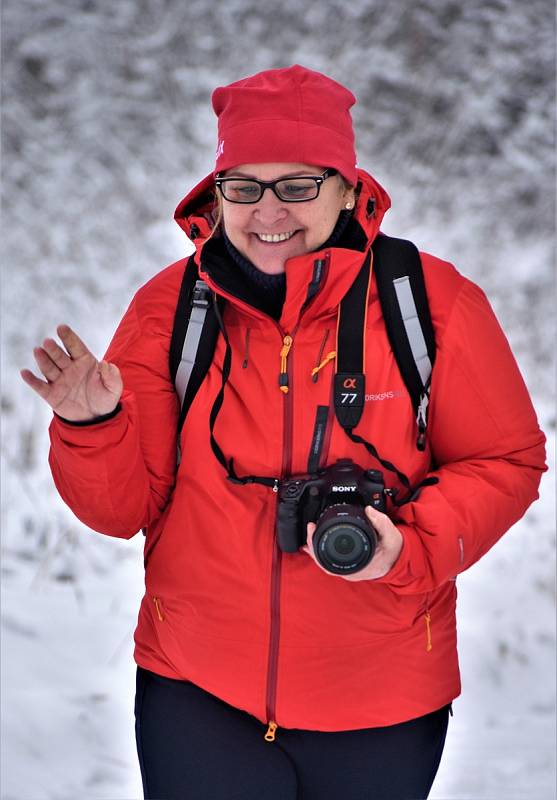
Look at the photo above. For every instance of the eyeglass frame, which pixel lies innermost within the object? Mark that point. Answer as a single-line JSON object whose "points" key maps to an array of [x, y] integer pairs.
{"points": [[319, 181]]}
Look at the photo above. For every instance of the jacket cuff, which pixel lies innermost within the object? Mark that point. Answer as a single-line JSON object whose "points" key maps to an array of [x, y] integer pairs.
{"points": [[94, 421]]}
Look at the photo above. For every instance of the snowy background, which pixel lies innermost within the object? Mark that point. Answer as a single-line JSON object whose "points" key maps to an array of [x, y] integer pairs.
{"points": [[106, 124]]}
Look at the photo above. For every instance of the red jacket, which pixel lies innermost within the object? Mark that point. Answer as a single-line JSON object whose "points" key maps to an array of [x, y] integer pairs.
{"points": [[270, 632]]}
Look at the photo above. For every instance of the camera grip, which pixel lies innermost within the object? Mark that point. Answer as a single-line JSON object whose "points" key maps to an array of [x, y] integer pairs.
{"points": [[289, 536]]}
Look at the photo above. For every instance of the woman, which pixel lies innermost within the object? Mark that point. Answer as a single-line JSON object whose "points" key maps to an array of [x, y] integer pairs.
{"points": [[262, 672]]}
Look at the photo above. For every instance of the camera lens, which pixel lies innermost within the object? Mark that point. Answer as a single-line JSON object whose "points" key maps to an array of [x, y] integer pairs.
{"points": [[344, 540], [344, 544]]}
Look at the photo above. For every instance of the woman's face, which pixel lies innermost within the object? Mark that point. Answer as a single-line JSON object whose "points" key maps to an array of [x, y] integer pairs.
{"points": [[306, 225]]}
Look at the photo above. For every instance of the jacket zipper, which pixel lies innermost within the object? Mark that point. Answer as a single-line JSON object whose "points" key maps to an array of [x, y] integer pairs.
{"points": [[318, 366], [285, 385], [274, 637], [157, 602], [283, 375]]}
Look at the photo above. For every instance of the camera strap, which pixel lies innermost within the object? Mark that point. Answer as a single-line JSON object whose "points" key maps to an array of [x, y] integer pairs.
{"points": [[318, 438], [349, 385], [219, 455], [349, 381]]}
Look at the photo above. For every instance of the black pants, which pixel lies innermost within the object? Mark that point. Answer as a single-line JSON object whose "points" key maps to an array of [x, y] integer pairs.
{"points": [[192, 746]]}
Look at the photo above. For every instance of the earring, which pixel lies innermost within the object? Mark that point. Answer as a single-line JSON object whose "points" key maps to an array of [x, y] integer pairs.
{"points": [[348, 206]]}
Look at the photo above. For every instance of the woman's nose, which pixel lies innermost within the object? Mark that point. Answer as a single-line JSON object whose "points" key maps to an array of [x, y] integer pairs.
{"points": [[270, 208]]}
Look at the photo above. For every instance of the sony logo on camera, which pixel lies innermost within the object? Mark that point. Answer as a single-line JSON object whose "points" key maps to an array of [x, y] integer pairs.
{"points": [[343, 488]]}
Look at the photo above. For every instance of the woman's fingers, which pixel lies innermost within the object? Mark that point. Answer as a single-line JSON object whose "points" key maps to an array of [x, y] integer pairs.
{"points": [[41, 387], [55, 352], [383, 524], [73, 344], [308, 547], [110, 377], [52, 359], [310, 531], [46, 364]]}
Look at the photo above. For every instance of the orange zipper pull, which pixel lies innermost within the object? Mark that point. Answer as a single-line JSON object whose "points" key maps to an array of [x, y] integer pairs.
{"points": [[159, 614], [283, 377], [324, 363], [271, 732], [429, 645]]}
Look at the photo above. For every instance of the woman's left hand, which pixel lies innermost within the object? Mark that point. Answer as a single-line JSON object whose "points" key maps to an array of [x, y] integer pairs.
{"points": [[389, 545]]}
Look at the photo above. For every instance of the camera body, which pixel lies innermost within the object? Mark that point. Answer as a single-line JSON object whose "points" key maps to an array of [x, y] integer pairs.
{"points": [[334, 498]]}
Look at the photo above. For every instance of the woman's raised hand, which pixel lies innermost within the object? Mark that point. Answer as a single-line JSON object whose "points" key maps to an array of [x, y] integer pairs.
{"points": [[77, 387]]}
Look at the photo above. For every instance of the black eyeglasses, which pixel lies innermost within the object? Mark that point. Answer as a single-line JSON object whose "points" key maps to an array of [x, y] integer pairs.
{"points": [[298, 189]]}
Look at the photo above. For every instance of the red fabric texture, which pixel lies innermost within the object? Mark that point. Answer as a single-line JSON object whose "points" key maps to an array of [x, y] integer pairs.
{"points": [[274, 635], [286, 115]]}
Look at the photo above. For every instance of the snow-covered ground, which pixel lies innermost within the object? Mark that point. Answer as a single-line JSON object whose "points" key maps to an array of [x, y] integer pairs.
{"points": [[106, 124]]}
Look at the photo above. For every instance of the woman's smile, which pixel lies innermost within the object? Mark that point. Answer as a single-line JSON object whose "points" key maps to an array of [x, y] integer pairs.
{"points": [[275, 238]]}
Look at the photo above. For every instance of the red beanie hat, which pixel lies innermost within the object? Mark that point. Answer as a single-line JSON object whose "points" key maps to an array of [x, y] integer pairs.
{"points": [[286, 115]]}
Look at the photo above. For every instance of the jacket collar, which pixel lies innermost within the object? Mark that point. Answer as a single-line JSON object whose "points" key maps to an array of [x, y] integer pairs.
{"points": [[315, 282]]}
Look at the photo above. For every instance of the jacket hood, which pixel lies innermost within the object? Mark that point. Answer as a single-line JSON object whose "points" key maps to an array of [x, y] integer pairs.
{"points": [[194, 213]]}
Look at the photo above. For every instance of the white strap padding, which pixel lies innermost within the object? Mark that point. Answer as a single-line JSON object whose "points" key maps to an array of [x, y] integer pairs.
{"points": [[191, 343], [412, 326]]}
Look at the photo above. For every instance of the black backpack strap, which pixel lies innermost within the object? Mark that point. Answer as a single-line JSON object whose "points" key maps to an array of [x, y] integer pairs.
{"points": [[403, 298], [197, 324], [194, 337]]}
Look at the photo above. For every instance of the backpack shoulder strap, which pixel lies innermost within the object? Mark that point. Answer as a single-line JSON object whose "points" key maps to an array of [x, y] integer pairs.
{"points": [[194, 338], [181, 315], [349, 385], [405, 308]]}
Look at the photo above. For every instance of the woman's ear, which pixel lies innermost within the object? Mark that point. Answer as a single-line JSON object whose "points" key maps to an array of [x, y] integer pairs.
{"points": [[348, 194], [349, 199]]}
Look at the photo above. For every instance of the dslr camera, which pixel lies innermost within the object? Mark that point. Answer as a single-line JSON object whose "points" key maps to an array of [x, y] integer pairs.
{"points": [[334, 498]]}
